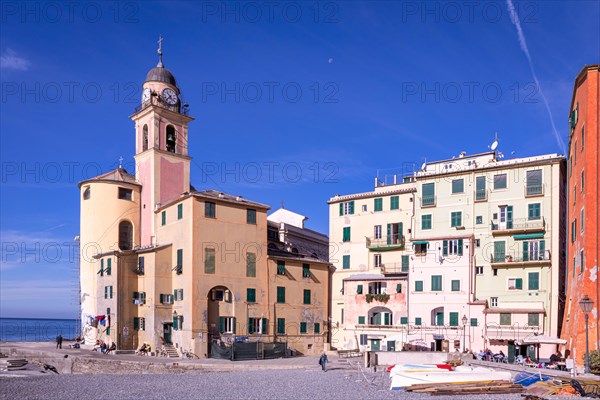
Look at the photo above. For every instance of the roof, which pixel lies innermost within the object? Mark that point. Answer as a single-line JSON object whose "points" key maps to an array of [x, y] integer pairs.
{"points": [[337, 198], [117, 175], [369, 277], [161, 74], [286, 255], [220, 196]]}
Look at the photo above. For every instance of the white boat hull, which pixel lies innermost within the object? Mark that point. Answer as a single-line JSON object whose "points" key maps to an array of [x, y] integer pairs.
{"points": [[404, 379]]}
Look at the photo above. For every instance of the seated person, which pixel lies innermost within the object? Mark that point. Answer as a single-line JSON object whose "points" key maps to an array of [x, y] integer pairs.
{"points": [[103, 347], [528, 360], [112, 347], [96, 346], [143, 349], [500, 356], [480, 355]]}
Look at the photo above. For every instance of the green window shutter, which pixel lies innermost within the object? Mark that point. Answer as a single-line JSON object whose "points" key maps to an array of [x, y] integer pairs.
{"points": [[473, 321], [251, 326], [179, 260], [111, 291], [439, 319], [346, 262], [175, 295], [251, 295], [251, 265], [386, 319], [525, 251], [394, 203], [519, 283], [428, 198], [436, 283], [418, 321], [317, 328], [180, 211], [281, 326], [101, 272], [136, 323], [221, 324], [533, 319], [403, 320], [175, 322], [378, 204], [455, 285], [209, 260], [302, 327], [352, 207], [346, 234], [234, 325], [280, 267], [106, 292], [542, 249], [280, 294], [306, 270], [445, 248], [453, 319], [341, 209], [265, 326], [460, 247], [361, 320], [534, 281], [418, 286], [405, 263], [306, 296], [163, 217], [499, 251], [108, 266], [509, 217], [359, 289], [426, 221], [398, 288]]}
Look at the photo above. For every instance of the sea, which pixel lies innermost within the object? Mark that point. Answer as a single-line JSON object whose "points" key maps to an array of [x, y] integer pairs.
{"points": [[37, 329]]}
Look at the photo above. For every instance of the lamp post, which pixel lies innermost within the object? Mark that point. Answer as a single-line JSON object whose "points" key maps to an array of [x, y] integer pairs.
{"points": [[586, 306], [464, 321]]}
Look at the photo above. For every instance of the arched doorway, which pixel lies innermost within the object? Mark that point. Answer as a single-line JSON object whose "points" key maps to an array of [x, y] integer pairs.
{"points": [[220, 318], [125, 235]]}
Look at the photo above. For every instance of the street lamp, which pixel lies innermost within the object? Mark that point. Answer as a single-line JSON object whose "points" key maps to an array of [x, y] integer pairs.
{"points": [[464, 321], [586, 306]]}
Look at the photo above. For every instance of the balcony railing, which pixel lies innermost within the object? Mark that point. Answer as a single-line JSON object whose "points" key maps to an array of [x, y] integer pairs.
{"points": [[390, 242], [155, 100], [428, 201], [522, 224], [521, 258], [534, 190], [480, 195], [394, 268]]}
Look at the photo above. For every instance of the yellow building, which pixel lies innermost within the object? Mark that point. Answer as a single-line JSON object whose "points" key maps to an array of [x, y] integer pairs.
{"points": [[168, 265]]}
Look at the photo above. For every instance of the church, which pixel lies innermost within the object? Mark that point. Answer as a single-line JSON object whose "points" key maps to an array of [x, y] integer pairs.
{"points": [[193, 271]]}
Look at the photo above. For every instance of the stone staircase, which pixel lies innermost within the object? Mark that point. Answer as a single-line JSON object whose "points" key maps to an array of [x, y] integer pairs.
{"points": [[171, 351]]}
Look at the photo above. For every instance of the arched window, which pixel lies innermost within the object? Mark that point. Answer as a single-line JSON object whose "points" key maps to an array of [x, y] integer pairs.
{"points": [[145, 138], [171, 138], [125, 235], [380, 316]]}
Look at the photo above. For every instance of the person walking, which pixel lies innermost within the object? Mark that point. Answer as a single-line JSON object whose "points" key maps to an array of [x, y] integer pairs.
{"points": [[323, 361], [59, 340]]}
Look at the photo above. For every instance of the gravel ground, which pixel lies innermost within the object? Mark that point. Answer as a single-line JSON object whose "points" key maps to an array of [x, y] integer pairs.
{"points": [[266, 384]]}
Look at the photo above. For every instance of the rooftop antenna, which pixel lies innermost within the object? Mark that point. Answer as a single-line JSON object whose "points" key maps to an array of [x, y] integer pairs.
{"points": [[424, 166], [494, 145], [121, 162]]}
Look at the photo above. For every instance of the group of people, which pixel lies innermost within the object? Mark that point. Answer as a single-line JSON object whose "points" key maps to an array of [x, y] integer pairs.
{"points": [[488, 355], [102, 347], [144, 350]]}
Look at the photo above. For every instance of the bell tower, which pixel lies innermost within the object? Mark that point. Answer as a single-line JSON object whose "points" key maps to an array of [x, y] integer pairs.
{"points": [[161, 143]]}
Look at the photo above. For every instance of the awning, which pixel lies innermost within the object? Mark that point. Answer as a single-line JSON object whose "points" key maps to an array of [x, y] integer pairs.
{"points": [[541, 339], [529, 236], [420, 242]]}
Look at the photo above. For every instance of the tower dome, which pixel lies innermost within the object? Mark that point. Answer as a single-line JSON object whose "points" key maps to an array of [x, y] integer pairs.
{"points": [[160, 73]]}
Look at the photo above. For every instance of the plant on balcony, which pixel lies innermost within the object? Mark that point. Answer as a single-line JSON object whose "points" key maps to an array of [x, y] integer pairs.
{"points": [[594, 361], [383, 297]]}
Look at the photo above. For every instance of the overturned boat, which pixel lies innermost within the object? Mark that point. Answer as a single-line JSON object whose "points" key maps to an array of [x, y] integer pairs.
{"points": [[405, 375]]}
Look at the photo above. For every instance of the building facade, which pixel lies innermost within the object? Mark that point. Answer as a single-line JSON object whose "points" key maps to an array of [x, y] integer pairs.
{"points": [[582, 210], [169, 265]]}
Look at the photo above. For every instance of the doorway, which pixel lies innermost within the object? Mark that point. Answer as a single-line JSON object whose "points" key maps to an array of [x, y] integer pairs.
{"points": [[167, 331]]}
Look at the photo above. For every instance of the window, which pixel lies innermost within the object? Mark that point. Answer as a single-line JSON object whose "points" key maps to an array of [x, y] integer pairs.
{"points": [[505, 319], [436, 283], [364, 208], [359, 289], [582, 220], [306, 270], [506, 218], [209, 260], [453, 319], [86, 193], [280, 294], [473, 322], [456, 219], [403, 320], [573, 230], [164, 298], [534, 281], [317, 328], [108, 292], [346, 262], [428, 198], [302, 327], [515, 284], [139, 324], [179, 211], [281, 326], [140, 269], [377, 260], [420, 248], [499, 252], [418, 321], [499, 181], [251, 216], [378, 204], [361, 320], [479, 220], [226, 325], [458, 186], [480, 193], [179, 266], [582, 181], [178, 294], [418, 286], [251, 265], [574, 194], [394, 203], [346, 234], [210, 209], [145, 137], [533, 319], [582, 261], [493, 302], [170, 140], [257, 325], [582, 137], [452, 247], [479, 270], [477, 242], [534, 211], [405, 263], [455, 285], [251, 295], [280, 267], [439, 318], [495, 271], [377, 231], [163, 218], [306, 296], [426, 221], [398, 288], [347, 208], [394, 233], [108, 269], [534, 250], [534, 182], [220, 295], [125, 235], [377, 287], [125, 194]]}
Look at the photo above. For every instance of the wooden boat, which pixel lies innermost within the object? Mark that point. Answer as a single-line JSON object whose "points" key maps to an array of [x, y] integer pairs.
{"points": [[461, 374]]}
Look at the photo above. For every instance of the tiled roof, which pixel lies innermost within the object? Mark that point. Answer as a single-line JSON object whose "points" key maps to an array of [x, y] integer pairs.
{"points": [[213, 194], [117, 175]]}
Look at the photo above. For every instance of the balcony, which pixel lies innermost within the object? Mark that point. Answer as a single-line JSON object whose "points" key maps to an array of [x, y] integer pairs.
{"points": [[480, 195], [534, 190], [428, 201], [532, 258], [395, 268], [521, 225], [391, 242], [157, 101]]}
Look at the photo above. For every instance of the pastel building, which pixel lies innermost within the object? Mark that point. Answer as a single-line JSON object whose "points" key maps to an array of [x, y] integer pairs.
{"points": [[166, 264], [582, 214]]}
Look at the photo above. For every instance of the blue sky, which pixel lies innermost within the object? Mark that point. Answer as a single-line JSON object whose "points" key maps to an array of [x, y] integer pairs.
{"points": [[294, 103]]}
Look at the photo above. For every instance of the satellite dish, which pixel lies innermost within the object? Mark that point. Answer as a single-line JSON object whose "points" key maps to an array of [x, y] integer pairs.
{"points": [[494, 145], [424, 166]]}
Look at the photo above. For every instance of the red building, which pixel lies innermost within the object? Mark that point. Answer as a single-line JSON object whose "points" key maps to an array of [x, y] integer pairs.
{"points": [[582, 214]]}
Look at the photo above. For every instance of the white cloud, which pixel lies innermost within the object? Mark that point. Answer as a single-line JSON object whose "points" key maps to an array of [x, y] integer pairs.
{"points": [[10, 60]]}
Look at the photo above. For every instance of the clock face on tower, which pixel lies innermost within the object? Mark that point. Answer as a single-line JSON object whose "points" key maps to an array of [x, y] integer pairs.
{"points": [[146, 95], [169, 96]]}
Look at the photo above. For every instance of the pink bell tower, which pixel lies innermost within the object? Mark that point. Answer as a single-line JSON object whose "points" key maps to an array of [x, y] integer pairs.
{"points": [[162, 161]]}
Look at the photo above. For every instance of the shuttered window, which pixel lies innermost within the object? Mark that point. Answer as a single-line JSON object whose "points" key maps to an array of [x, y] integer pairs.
{"points": [[418, 286], [251, 216], [436, 283], [163, 218], [251, 295], [346, 262], [251, 265], [394, 203], [302, 327], [317, 328], [209, 260], [280, 267], [280, 294], [281, 326], [378, 204], [453, 319], [346, 234], [534, 281], [180, 211], [306, 296]]}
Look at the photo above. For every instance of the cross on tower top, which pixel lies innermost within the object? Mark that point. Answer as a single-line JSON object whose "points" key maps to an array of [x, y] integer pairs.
{"points": [[121, 162], [159, 51]]}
